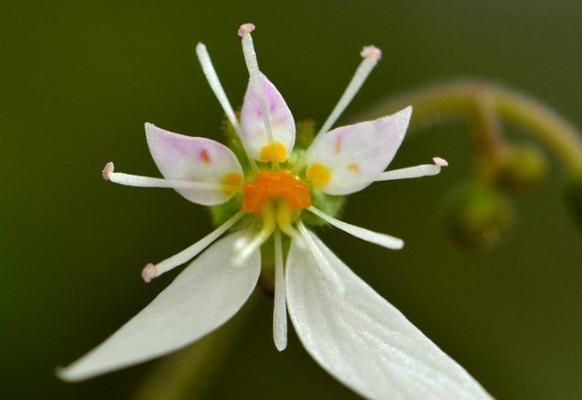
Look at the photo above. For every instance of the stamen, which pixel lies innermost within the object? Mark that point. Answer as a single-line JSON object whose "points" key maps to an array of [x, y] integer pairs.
{"points": [[151, 271], [216, 86], [148, 273], [108, 170], [256, 82], [371, 56], [246, 28], [269, 225], [324, 265], [144, 181], [380, 239], [280, 306], [414, 172]]}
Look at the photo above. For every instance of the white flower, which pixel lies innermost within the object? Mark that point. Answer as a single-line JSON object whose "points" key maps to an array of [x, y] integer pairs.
{"points": [[350, 330]]}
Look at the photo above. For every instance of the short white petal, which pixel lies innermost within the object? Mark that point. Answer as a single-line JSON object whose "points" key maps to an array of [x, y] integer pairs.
{"points": [[203, 297], [252, 120], [364, 341], [354, 155], [194, 159]]}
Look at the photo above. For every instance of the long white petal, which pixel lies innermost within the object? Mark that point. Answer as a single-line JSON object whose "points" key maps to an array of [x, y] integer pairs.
{"points": [[381, 239], [203, 297], [365, 342], [321, 262], [280, 306]]}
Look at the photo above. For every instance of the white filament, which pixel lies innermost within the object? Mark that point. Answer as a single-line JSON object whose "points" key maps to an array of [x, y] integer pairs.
{"points": [[280, 306], [380, 239], [255, 79], [410, 172], [215, 85], [364, 69], [253, 245], [145, 181], [218, 90], [192, 251]]}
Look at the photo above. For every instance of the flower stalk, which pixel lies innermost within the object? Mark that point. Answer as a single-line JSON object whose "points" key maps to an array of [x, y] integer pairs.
{"points": [[480, 100]]}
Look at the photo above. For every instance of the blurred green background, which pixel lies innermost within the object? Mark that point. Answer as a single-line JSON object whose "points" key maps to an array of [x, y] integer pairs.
{"points": [[80, 78]]}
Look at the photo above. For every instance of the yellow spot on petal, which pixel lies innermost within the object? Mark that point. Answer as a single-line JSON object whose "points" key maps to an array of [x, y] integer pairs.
{"points": [[273, 152], [319, 175], [354, 167], [231, 183]]}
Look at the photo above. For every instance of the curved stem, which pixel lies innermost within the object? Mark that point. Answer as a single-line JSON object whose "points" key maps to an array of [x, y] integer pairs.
{"points": [[465, 98]]}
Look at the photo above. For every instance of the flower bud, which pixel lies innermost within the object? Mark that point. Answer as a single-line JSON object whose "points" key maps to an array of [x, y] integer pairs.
{"points": [[476, 216], [523, 168], [574, 197]]}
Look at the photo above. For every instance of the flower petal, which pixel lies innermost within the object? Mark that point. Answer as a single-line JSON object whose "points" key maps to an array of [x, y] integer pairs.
{"points": [[349, 158], [282, 124], [196, 159], [365, 342], [203, 297]]}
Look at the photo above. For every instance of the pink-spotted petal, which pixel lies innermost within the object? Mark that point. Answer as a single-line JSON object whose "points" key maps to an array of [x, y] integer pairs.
{"points": [[195, 159], [349, 158], [254, 133]]}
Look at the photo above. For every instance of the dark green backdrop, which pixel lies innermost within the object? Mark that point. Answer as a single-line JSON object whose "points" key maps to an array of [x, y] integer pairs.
{"points": [[78, 80]]}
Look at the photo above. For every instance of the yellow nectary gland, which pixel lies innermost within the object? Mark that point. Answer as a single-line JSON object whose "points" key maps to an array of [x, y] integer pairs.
{"points": [[275, 185], [319, 175], [274, 152]]}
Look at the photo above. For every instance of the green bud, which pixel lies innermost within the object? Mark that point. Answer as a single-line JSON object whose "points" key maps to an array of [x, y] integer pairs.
{"points": [[574, 197], [476, 215], [523, 168]]}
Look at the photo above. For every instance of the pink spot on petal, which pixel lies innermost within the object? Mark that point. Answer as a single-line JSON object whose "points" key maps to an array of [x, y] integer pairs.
{"points": [[371, 52], [205, 156], [441, 162], [246, 28], [107, 170]]}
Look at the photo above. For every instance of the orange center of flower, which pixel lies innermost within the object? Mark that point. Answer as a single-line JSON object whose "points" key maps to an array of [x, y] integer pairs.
{"points": [[275, 185]]}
